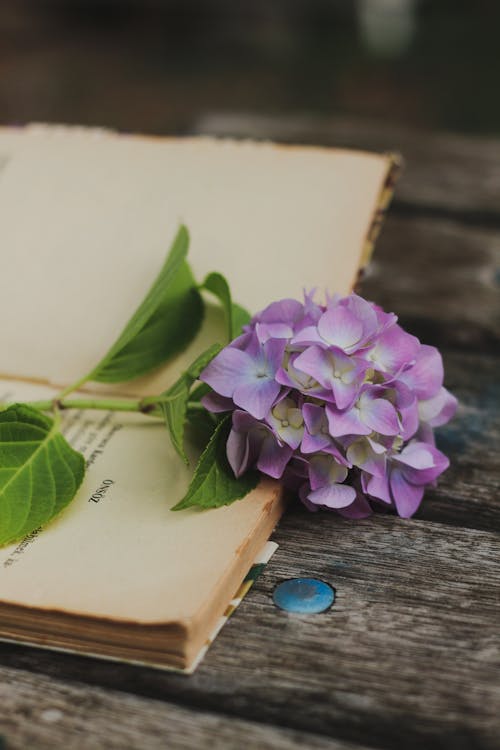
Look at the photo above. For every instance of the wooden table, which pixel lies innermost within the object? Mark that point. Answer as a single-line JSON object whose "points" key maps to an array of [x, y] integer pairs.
{"points": [[409, 655]]}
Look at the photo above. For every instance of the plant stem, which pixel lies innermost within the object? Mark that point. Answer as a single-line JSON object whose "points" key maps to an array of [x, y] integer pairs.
{"points": [[74, 387], [108, 404], [142, 406]]}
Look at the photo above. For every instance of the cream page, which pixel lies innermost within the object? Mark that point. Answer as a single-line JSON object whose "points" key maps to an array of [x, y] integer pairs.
{"points": [[118, 550], [11, 141], [86, 219]]}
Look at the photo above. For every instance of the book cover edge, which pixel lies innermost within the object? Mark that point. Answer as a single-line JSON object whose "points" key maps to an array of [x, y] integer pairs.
{"points": [[256, 570]]}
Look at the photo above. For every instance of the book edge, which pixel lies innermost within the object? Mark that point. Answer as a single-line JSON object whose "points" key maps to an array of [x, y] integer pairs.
{"points": [[260, 562], [395, 165]]}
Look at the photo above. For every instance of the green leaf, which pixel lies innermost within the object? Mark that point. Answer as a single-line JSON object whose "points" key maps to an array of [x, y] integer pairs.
{"points": [[174, 412], [199, 427], [214, 483], [39, 471], [163, 325], [174, 402], [236, 316], [240, 318], [202, 389]]}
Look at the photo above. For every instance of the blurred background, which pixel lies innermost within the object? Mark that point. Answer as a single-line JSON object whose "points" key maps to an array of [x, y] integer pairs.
{"points": [[160, 66]]}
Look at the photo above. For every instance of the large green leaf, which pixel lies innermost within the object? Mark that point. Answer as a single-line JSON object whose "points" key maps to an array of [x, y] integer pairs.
{"points": [[214, 483], [174, 402], [163, 325], [236, 316], [39, 471]]}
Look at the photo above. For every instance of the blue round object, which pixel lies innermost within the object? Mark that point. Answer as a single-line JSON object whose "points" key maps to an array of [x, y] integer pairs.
{"points": [[306, 596]]}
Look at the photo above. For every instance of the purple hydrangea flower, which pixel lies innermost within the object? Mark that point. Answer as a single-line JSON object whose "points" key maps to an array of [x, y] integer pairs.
{"points": [[317, 436], [248, 375], [337, 401], [393, 350], [287, 422], [335, 371], [410, 470], [370, 412], [252, 443], [326, 477]]}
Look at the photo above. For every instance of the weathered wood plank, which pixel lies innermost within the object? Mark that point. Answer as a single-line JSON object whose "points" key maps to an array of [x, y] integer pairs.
{"points": [[42, 713], [442, 278], [444, 172], [408, 656]]}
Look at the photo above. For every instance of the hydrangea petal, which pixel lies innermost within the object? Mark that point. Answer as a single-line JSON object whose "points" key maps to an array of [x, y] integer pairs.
{"points": [[227, 370], [283, 311], [307, 337], [425, 378], [303, 493], [333, 496], [439, 409], [380, 416], [393, 349], [316, 363], [314, 443], [238, 452], [273, 458], [315, 419], [448, 410], [348, 422], [257, 397], [274, 350], [266, 331], [407, 497], [316, 437], [344, 393], [409, 421], [371, 317], [323, 469], [421, 463], [417, 456], [340, 328], [403, 396], [217, 404], [357, 510], [243, 422], [361, 454], [379, 488]]}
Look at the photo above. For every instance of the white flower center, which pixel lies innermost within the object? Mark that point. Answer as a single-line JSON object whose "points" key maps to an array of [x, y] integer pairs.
{"points": [[288, 415]]}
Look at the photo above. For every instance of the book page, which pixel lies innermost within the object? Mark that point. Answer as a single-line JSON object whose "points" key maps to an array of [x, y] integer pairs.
{"points": [[118, 551], [86, 220], [11, 141]]}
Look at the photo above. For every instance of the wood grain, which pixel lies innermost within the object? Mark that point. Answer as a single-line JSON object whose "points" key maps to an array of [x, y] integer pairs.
{"points": [[42, 713], [442, 278], [408, 655], [444, 172]]}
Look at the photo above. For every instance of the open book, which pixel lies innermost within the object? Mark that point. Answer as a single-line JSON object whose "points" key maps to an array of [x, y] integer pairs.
{"points": [[86, 218]]}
